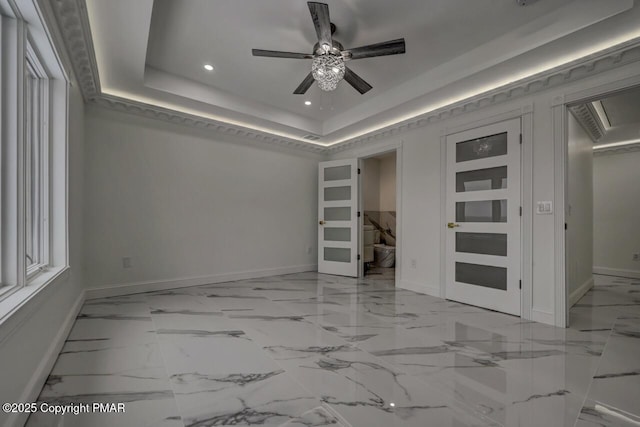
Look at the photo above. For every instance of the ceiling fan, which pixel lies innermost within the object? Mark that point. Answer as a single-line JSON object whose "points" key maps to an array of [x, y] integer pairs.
{"points": [[328, 67]]}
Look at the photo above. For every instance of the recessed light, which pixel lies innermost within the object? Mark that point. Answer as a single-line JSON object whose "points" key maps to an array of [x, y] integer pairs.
{"points": [[208, 67], [392, 404], [307, 102]]}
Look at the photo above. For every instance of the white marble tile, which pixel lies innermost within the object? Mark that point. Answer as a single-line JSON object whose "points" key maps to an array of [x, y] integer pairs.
{"points": [[270, 398], [313, 350]]}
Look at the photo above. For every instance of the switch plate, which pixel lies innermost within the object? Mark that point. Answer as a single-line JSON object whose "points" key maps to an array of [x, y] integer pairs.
{"points": [[636, 257], [126, 262], [544, 208], [413, 263]]}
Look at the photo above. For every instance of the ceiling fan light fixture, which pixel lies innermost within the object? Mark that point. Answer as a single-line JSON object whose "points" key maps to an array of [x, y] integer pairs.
{"points": [[328, 70]]}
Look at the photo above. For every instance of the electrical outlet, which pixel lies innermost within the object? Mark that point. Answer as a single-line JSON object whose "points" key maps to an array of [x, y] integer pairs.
{"points": [[308, 249], [126, 262], [636, 257], [413, 263]]}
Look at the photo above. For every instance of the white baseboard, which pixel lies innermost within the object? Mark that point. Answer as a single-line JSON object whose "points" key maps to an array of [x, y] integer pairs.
{"points": [[186, 282], [578, 293], [542, 317], [634, 274], [39, 377], [433, 291]]}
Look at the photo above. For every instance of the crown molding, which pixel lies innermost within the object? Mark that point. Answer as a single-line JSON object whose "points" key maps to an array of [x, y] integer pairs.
{"points": [[617, 56], [73, 21], [589, 120], [617, 150], [167, 115]]}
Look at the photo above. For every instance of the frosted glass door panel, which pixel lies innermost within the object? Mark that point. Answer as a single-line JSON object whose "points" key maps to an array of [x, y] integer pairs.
{"points": [[332, 194], [482, 243], [337, 173], [489, 146], [336, 234], [482, 211], [337, 254], [487, 276], [482, 179], [337, 214]]}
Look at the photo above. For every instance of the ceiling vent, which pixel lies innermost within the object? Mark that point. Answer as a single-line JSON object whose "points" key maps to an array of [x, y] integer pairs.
{"points": [[311, 137]]}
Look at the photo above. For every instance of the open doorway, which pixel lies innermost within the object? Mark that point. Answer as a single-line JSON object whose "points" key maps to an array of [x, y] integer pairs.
{"points": [[602, 205], [379, 224]]}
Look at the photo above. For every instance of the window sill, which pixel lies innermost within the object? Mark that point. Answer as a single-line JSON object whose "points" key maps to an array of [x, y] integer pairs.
{"points": [[14, 307]]}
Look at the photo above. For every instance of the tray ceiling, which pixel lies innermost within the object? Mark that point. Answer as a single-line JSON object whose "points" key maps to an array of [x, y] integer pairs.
{"points": [[154, 52]]}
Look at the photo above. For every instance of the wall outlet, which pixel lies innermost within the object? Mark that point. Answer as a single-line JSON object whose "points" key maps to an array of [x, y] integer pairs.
{"points": [[308, 249], [126, 262], [413, 263], [636, 257]]}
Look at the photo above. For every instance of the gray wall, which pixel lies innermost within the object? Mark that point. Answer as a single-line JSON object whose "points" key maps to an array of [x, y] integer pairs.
{"points": [[183, 204], [579, 211], [616, 201]]}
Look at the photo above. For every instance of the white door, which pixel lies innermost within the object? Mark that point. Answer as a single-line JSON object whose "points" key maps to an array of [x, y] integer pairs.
{"points": [[338, 217], [483, 217]]}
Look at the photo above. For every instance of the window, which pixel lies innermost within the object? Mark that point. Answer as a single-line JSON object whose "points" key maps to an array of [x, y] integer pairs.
{"points": [[33, 156], [36, 171]]}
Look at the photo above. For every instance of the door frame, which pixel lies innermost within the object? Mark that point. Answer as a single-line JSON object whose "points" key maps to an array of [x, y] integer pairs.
{"points": [[560, 112], [525, 114], [376, 151]]}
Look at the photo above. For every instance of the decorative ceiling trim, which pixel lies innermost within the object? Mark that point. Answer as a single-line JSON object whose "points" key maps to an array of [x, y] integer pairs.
{"points": [[73, 20], [608, 59], [589, 120], [172, 116], [617, 150]]}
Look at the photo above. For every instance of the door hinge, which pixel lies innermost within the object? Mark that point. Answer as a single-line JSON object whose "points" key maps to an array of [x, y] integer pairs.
{"points": [[358, 214], [520, 210], [520, 138], [565, 225], [521, 284], [358, 257], [358, 171]]}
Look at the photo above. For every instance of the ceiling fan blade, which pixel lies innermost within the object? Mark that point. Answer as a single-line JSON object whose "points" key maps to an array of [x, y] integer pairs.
{"points": [[278, 54], [305, 85], [320, 16], [356, 81], [391, 47]]}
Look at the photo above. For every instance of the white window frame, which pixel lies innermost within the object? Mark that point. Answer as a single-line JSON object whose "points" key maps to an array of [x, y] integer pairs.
{"points": [[26, 48], [36, 136]]}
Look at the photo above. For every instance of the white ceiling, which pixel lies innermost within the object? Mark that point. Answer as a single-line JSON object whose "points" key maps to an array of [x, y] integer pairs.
{"points": [[622, 111], [154, 52]]}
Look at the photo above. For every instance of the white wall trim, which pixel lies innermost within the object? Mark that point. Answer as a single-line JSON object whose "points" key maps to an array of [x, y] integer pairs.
{"points": [[606, 271], [541, 316], [559, 113], [578, 293], [39, 377], [432, 290], [186, 282], [589, 120], [617, 150]]}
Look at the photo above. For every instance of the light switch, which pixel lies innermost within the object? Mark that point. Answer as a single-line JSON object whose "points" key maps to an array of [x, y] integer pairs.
{"points": [[544, 208]]}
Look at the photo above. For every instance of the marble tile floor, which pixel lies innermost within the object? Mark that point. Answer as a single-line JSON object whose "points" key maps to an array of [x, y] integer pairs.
{"points": [[316, 350]]}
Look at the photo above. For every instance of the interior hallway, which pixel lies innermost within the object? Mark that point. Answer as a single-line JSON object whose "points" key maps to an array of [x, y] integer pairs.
{"points": [[315, 350]]}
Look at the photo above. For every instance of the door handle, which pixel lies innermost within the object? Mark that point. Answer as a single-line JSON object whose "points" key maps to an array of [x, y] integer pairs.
{"points": [[321, 222], [452, 225]]}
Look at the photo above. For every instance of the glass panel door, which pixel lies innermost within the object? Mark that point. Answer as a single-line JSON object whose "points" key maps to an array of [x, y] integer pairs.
{"points": [[483, 217], [337, 217]]}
